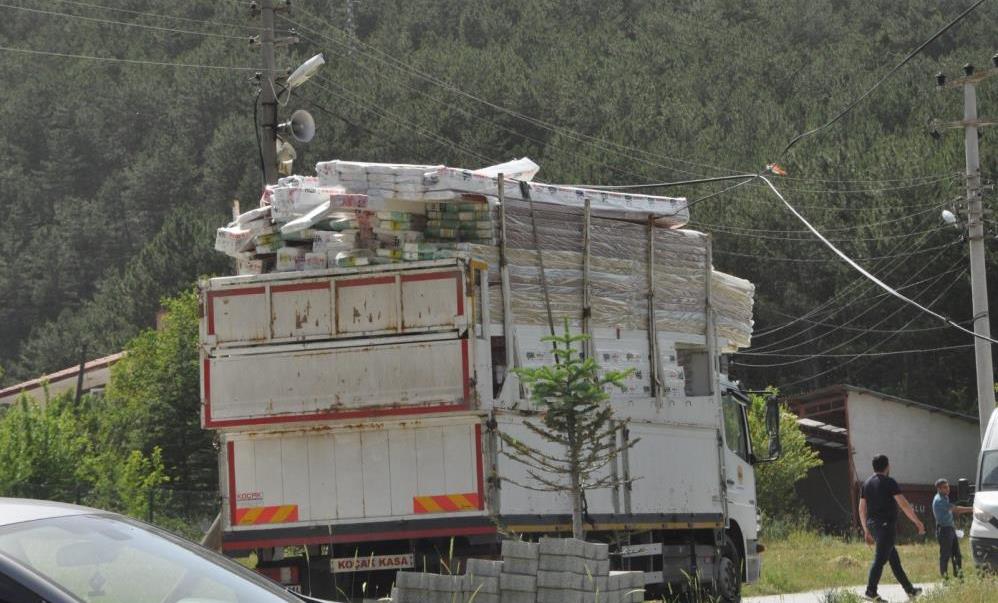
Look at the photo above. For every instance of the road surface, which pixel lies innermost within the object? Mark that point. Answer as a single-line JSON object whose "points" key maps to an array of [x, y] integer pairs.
{"points": [[891, 592]]}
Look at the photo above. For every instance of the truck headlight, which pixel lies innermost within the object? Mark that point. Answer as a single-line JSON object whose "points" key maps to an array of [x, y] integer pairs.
{"points": [[981, 515]]}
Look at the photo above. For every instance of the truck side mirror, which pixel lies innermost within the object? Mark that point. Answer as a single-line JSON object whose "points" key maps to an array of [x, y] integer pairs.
{"points": [[773, 429], [963, 493]]}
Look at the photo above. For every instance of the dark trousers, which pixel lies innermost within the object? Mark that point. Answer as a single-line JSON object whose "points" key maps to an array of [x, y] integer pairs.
{"points": [[885, 535], [949, 547]]}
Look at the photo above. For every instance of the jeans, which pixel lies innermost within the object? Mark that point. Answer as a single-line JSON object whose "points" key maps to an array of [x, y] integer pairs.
{"points": [[949, 547], [885, 533]]}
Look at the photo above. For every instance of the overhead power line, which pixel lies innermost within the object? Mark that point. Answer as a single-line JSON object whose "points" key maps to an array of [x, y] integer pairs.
{"points": [[122, 23], [388, 60], [826, 351], [129, 61], [159, 15], [804, 357], [772, 258], [935, 300], [883, 79], [851, 294], [865, 273]]}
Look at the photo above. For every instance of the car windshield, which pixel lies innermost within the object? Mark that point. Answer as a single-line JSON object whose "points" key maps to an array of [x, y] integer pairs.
{"points": [[989, 471], [110, 559]]}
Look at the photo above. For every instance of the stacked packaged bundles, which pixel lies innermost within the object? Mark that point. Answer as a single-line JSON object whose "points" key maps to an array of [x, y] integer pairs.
{"points": [[395, 230], [467, 221]]}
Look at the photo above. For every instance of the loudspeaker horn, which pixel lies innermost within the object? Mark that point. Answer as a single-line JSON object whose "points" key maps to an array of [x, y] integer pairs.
{"points": [[301, 126]]}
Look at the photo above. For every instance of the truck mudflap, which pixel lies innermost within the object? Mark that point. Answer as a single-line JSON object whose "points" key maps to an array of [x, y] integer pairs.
{"points": [[753, 561]]}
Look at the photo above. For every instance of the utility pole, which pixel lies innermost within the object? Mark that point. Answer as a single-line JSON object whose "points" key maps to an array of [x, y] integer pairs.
{"points": [[268, 97], [975, 236]]}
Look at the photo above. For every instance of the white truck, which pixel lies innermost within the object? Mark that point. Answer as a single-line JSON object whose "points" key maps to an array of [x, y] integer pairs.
{"points": [[984, 529], [358, 407]]}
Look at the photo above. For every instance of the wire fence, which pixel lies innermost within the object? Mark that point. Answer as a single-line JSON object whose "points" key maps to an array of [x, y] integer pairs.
{"points": [[188, 513]]}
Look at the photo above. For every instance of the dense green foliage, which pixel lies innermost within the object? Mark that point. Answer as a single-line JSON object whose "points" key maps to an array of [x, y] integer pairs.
{"points": [[114, 174], [156, 392], [774, 482], [138, 448], [58, 451]]}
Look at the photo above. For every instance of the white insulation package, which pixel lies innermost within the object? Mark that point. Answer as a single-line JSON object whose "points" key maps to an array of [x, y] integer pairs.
{"points": [[355, 213]]}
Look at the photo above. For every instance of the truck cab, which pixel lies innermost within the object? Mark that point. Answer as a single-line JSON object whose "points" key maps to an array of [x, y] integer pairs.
{"points": [[984, 529]]}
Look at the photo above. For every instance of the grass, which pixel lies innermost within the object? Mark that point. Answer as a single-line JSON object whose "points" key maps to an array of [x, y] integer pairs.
{"points": [[974, 589], [804, 560]]}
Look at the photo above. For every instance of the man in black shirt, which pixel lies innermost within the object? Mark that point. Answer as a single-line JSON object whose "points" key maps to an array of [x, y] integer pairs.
{"points": [[878, 512]]}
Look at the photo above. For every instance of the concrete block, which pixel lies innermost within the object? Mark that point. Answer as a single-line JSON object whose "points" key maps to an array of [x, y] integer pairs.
{"points": [[482, 584], [636, 595], [519, 550], [481, 598], [410, 580], [514, 596], [517, 565], [561, 580], [597, 550], [413, 595], [557, 595], [562, 546], [516, 582], [576, 565], [484, 567]]}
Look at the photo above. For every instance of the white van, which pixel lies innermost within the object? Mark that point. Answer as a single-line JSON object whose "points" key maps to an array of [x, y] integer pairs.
{"points": [[984, 530]]}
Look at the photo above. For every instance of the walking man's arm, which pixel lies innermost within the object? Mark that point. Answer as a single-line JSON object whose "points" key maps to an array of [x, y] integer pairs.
{"points": [[910, 512], [862, 521]]}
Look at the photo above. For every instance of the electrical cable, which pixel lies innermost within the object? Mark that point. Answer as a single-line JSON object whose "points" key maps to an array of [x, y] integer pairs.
{"points": [[256, 130], [402, 66], [442, 140], [841, 229], [844, 327], [903, 235], [776, 351], [913, 183], [785, 386], [772, 258], [881, 297], [846, 291], [122, 23], [864, 272], [399, 65], [805, 357], [494, 123], [771, 350], [878, 83], [159, 15], [129, 61]]}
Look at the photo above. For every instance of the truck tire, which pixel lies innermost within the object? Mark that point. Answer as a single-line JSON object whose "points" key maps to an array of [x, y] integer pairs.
{"points": [[729, 574]]}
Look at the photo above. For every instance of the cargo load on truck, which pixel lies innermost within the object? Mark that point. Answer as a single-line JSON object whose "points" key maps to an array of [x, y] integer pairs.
{"points": [[358, 369]]}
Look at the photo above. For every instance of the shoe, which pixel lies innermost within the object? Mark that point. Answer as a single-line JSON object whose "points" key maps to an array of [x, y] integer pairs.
{"points": [[874, 597], [914, 592]]}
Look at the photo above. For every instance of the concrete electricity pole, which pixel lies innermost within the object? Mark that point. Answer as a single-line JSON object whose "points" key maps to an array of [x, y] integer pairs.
{"points": [[268, 97], [975, 235]]}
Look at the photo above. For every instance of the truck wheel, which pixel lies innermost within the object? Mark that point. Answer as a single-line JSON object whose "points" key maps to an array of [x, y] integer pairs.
{"points": [[729, 575]]}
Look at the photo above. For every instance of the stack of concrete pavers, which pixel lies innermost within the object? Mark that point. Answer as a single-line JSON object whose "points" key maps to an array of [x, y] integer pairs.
{"points": [[482, 580], [518, 578], [554, 570], [573, 571]]}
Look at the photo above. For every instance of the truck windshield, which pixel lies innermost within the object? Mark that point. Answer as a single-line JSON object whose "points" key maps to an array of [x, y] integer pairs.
{"points": [[109, 559], [989, 471]]}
